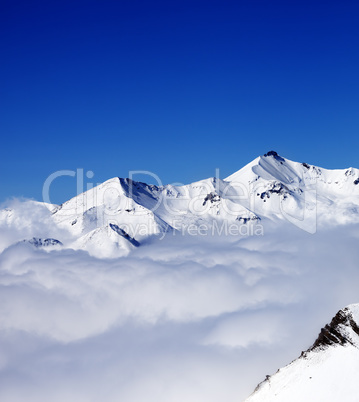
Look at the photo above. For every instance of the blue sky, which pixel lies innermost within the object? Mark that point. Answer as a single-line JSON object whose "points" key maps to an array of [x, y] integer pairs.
{"points": [[178, 88]]}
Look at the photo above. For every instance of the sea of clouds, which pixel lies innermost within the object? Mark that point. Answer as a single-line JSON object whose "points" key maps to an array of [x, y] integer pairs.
{"points": [[187, 318]]}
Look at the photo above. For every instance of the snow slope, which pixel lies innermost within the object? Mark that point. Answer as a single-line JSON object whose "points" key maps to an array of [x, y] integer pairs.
{"points": [[327, 372]]}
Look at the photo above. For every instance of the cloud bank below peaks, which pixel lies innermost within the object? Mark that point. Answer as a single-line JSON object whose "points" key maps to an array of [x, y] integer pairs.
{"points": [[185, 318]]}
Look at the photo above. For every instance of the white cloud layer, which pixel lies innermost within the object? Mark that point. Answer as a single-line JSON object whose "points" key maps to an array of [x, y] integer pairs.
{"points": [[182, 319]]}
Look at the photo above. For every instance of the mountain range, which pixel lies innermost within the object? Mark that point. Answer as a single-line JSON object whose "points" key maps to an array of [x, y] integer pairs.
{"points": [[116, 216]]}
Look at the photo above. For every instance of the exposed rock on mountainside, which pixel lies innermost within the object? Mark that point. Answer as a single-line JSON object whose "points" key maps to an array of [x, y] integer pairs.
{"points": [[340, 331], [38, 242]]}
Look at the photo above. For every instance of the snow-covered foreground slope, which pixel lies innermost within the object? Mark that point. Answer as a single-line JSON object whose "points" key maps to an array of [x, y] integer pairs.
{"points": [[327, 372], [270, 188]]}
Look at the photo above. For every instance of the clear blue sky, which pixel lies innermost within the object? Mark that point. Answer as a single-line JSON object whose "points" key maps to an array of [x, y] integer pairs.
{"points": [[175, 87]]}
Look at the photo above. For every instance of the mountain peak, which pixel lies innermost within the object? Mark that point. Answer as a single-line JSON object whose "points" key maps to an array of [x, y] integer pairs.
{"points": [[343, 329], [275, 155]]}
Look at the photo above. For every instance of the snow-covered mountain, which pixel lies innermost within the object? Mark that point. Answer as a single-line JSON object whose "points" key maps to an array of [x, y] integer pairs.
{"points": [[115, 217], [326, 372]]}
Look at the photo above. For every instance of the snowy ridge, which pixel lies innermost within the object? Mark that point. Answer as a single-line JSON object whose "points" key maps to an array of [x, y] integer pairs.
{"points": [[269, 188], [325, 372]]}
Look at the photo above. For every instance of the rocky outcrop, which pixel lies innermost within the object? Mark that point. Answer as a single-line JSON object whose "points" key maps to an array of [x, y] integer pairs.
{"points": [[38, 242], [338, 331], [124, 234]]}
